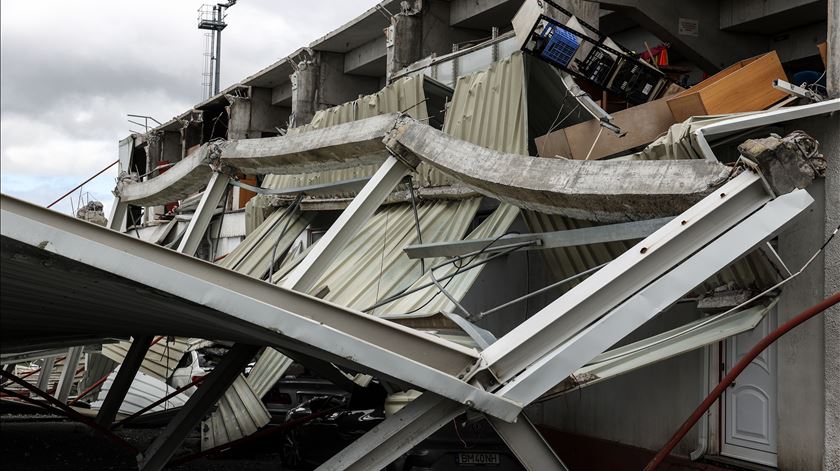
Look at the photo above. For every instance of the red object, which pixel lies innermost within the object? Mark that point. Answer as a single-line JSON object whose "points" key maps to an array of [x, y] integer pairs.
{"points": [[735, 371], [663, 58], [163, 166], [65, 195]]}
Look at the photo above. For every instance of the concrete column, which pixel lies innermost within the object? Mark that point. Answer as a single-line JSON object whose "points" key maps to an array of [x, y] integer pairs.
{"points": [[305, 89], [122, 382], [831, 318], [405, 38]]}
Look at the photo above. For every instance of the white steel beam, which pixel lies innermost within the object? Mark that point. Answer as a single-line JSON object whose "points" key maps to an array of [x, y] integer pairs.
{"points": [[119, 210], [204, 213], [525, 441], [122, 382], [226, 305], [232, 364], [640, 307], [627, 274], [324, 253], [45, 373], [68, 373], [547, 240]]}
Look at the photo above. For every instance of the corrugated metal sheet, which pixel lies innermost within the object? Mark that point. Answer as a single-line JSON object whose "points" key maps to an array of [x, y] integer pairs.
{"points": [[488, 107], [97, 365], [144, 390], [160, 360], [430, 300], [373, 265], [238, 413], [261, 379], [252, 256]]}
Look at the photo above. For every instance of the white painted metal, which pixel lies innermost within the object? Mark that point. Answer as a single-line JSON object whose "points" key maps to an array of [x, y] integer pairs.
{"points": [[547, 240], [204, 213], [144, 390], [316, 262], [239, 307], [45, 374], [117, 218], [527, 444], [750, 403], [625, 275], [68, 373], [657, 296]]}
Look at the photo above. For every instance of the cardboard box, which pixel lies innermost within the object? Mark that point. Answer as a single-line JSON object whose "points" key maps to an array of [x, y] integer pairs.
{"points": [[823, 48], [641, 125], [744, 86]]}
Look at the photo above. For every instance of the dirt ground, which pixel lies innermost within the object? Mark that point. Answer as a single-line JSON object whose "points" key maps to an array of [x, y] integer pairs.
{"points": [[46, 443]]}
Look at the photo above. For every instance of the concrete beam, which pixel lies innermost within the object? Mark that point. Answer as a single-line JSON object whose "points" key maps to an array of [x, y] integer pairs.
{"points": [[282, 94], [769, 16], [181, 180], [365, 59], [341, 146], [710, 48], [122, 382], [472, 14], [592, 190]]}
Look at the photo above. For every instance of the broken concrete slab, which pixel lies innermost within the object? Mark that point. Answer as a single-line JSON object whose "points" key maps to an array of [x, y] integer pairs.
{"points": [[181, 180], [606, 191], [340, 146], [788, 162]]}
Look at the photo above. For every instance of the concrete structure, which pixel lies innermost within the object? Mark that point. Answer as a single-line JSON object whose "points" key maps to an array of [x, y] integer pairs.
{"points": [[447, 41]]}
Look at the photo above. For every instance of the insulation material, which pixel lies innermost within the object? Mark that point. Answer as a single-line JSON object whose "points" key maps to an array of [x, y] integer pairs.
{"points": [[160, 360], [676, 143]]}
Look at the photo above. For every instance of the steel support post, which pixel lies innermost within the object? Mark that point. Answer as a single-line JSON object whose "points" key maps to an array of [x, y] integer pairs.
{"points": [[122, 382], [630, 272], [204, 213], [396, 435], [380, 185], [45, 373], [119, 210], [548, 240], [525, 441], [654, 298], [233, 363], [68, 374]]}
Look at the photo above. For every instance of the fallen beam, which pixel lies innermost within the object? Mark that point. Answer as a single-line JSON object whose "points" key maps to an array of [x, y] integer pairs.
{"points": [[606, 191], [547, 240], [181, 180]]}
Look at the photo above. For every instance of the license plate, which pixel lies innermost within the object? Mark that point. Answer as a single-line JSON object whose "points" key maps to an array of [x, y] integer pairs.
{"points": [[478, 459]]}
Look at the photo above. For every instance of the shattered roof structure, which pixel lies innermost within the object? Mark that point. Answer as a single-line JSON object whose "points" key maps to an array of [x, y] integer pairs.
{"points": [[370, 227]]}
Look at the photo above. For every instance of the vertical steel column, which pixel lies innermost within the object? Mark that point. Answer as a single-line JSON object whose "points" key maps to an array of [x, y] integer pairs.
{"points": [[45, 373], [203, 213], [525, 441], [116, 221], [68, 374], [211, 389], [347, 225], [122, 382]]}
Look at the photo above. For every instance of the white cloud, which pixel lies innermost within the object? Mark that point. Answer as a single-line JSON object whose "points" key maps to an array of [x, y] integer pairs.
{"points": [[71, 71]]}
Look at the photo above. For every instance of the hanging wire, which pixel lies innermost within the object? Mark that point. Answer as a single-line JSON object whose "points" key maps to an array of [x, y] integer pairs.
{"points": [[416, 223]]}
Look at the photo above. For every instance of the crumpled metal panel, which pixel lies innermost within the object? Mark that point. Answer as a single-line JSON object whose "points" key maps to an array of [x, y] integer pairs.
{"points": [[488, 107], [261, 380], [238, 413], [160, 360], [676, 143], [144, 390], [252, 256], [431, 300], [374, 266]]}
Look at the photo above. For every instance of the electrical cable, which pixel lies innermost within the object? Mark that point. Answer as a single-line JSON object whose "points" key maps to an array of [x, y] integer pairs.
{"points": [[416, 222]]}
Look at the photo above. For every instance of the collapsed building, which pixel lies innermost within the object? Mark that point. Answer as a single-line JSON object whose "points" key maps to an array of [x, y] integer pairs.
{"points": [[540, 228]]}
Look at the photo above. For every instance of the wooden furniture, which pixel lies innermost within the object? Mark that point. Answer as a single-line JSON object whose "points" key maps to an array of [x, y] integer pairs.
{"points": [[744, 86], [823, 48]]}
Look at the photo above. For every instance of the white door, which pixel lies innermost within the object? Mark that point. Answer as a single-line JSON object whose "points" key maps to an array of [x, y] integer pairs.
{"points": [[750, 403]]}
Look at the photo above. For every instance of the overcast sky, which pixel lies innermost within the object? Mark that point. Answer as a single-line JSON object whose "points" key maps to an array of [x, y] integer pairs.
{"points": [[71, 70]]}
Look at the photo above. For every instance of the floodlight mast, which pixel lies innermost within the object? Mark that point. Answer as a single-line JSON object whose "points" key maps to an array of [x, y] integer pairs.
{"points": [[212, 17]]}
